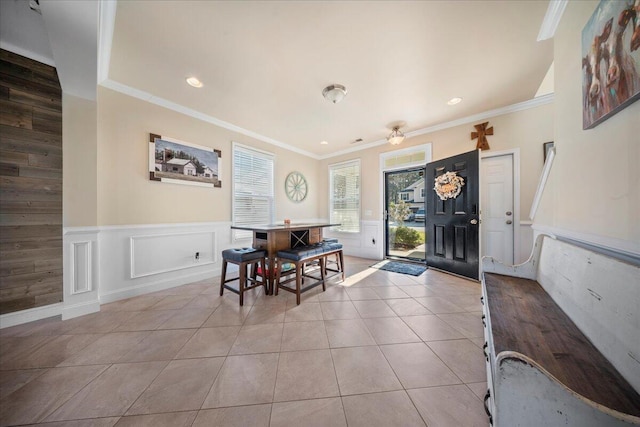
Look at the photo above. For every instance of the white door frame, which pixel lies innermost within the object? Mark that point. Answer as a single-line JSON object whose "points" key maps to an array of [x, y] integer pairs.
{"points": [[515, 155]]}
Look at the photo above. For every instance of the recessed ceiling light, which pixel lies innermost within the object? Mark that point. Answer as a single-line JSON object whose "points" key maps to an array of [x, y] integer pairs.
{"points": [[454, 101], [324, 143], [193, 81]]}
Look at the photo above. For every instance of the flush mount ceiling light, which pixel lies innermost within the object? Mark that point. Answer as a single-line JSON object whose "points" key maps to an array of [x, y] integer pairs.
{"points": [[396, 136], [324, 143], [334, 93], [454, 101], [193, 81]]}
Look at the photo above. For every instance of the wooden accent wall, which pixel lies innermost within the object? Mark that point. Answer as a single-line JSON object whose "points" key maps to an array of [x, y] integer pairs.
{"points": [[30, 184]]}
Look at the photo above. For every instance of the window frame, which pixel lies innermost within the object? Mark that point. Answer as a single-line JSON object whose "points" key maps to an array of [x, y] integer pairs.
{"points": [[331, 168], [235, 147]]}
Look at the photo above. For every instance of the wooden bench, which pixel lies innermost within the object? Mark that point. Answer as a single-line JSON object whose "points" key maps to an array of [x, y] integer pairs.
{"points": [[551, 357]]}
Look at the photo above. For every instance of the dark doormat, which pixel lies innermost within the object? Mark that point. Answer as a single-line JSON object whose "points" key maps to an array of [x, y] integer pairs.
{"points": [[400, 267]]}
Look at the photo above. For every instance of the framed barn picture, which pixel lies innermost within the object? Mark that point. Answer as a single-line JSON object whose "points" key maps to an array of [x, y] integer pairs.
{"points": [[610, 60], [179, 162]]}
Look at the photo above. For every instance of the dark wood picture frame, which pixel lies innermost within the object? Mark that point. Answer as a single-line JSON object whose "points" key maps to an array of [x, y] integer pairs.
{"points": [[178, 162], [545, 148]]}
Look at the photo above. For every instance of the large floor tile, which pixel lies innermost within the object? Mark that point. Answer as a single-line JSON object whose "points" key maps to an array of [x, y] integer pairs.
{"points": [[172, 302], [407, 307], [158, 345], [266, 313], [445, 406], [334, 293], [181, 386], [348, 333], [140, 303], [111, 393], [244, 380], [305, 375], [303, 313], [392, 408], [431, 328], [417, 291], [16, 348], [363, 370], [51, 353], [171, 419], [209, 342], [93, 422], [187, 319], [240, 416], [390, 330], [107, 349], [35, 401], [440, 305], [362, 294], [10, 381], [228, 315], [373, 308], [469, 324], [309, 413], [417, 366], [146, 320], [390, 292], [463, 357], [304, 336], [265, 338], [99, 323], [479, 389], [338, 310]]}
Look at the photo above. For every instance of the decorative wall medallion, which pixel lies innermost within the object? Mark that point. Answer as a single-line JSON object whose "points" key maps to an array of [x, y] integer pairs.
{"points": [[295, 185], [448, 185]]}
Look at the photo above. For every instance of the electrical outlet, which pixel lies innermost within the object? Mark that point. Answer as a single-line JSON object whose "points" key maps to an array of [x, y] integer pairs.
{"points": [[373, 241], [197, 256]]}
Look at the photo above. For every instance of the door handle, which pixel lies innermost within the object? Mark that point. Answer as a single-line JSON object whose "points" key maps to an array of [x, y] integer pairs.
{"points": [[508, 213], [509, 222], [474, 221]]}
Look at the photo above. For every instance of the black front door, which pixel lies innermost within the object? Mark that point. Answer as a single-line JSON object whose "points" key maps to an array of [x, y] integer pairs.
{"points": [[453, 225]]}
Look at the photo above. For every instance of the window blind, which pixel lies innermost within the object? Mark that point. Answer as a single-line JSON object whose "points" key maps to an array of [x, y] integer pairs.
{"points": [[253, 192], [344, 197]]}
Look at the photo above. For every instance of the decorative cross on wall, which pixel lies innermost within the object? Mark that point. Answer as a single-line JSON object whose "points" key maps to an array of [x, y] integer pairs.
{"points": [[481, 134]]}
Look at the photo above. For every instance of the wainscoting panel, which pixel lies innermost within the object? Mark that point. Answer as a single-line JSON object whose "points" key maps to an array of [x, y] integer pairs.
{"points": [[156, 254], [81, 272], [138, 259]]}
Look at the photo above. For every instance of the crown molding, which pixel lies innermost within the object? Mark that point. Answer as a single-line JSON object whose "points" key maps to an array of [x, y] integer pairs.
{"points": [[27, 53], [145, 96], [552, 19], [532, 103], [105, 37]]}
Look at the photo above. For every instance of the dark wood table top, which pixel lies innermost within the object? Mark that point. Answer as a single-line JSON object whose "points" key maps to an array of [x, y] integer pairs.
{"points": [[283, 227]]}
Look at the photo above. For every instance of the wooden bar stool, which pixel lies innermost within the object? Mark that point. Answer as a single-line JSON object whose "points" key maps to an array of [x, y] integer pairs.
{"points": [[243, 257], [339, 257]]}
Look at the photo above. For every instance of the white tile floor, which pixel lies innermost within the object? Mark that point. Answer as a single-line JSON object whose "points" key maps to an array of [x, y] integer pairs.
{"points": [[380, 349]]}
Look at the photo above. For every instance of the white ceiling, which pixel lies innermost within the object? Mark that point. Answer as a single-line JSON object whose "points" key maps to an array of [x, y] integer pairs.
{"points": [[264, 64]]}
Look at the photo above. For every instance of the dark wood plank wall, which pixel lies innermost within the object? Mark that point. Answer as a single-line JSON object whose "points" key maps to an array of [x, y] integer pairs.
{"points": [[30, 184]]}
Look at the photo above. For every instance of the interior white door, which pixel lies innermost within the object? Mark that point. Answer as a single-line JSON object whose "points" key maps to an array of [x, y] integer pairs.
{"points": [[497, 207]]}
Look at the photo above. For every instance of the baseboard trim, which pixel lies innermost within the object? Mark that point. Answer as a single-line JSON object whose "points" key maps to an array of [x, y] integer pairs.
{"points": [[161, 285], [76, 310], [30, 315]]}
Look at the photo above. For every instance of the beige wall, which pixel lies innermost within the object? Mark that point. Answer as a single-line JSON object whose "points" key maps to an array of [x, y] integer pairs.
{"points": [[594, 185], [127, 196], [79, 142], [527, 130]]}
